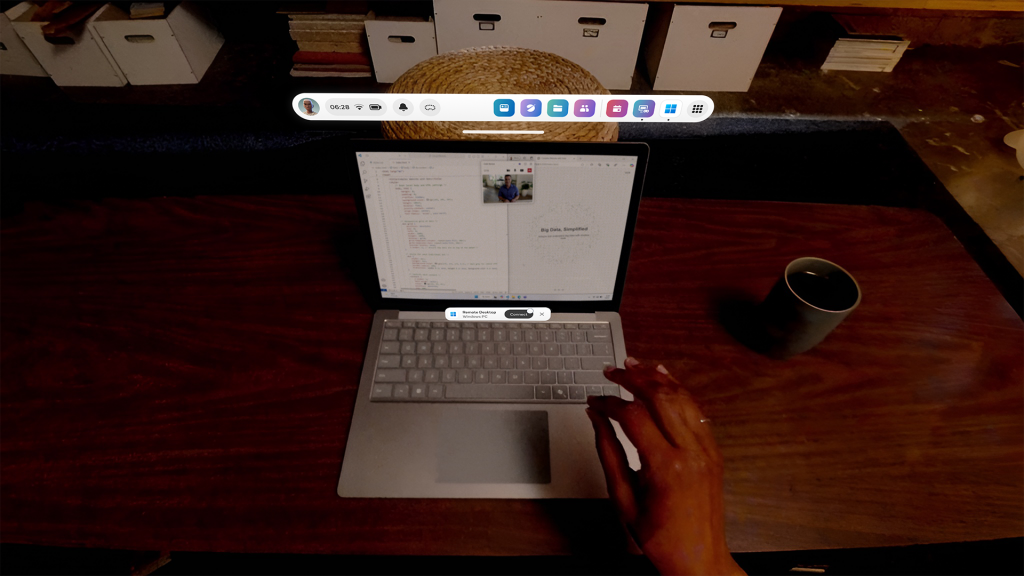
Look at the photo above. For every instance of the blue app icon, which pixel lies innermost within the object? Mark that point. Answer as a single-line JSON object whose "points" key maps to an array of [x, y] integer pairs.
{"points": [[643, 108], [504, 107], [530, 107], [452, 314], [558, 108]]}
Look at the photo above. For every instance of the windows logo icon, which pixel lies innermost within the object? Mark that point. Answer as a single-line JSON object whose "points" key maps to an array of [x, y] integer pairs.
{"points": [[671, 108]]}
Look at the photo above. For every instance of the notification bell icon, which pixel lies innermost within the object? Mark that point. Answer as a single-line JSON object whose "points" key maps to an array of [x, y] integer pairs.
{"points": [[403, 107]]}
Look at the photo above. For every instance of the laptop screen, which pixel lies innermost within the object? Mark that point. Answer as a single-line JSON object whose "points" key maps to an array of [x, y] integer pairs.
{"points": [[457, 226]]}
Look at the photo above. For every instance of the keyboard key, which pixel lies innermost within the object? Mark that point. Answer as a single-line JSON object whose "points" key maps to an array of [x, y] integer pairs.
{"points": [[521, 349], [559, 393], [408, 324], [564, 377], [506, 362], [594, 391], [483, 335], [423, 324], [555, 363], [572, 363], [579, 336], [570, 326], [540, 363], [425, 362], [465, 376], [602, 326], [490, 362], [553, 326], [599, 336], [415, 376], [586, 326], [408, 361], [577, 393], [423, 347], [436, 334], [453, 334], [610, 390], [596, 363], [551, 349], [389, 361], [497, 376], [529, 377], [400, 391], [390, 347], [472, 361], [448, 376], [547, 336], [405, 334], [543, 392], [514, 377], [503, 348], [482, 324], [481, 376], [381, 391], [390, 334], [468, 335], [540, 326], [567, 349], [562, 336], [584, 350], [487, 348], [440, 347], [532, 336], [583, 377], [418, 391], [499, 335], [515, 335], [602, 349], [457, 361], [456, 348], [548, 377], [436, 392], [523, 363], [488, 392], [472, 347], [438, 324], [392, 323], [432, 375], [536, 349], [527, 326]]}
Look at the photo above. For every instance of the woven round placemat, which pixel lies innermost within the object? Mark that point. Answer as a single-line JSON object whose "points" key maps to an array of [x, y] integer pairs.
{"points": [[498, 70]]}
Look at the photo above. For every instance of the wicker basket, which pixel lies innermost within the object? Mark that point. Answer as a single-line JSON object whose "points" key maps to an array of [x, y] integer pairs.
{"points": [[498, 70]]}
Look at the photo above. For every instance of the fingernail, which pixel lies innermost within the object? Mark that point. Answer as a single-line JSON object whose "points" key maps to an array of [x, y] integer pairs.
{"points": [[662, 369], [632, 362], [609, 368]]}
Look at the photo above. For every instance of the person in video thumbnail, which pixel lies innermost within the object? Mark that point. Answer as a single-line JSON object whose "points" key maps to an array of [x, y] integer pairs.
{"points": [[307, 104], [508, 191]]}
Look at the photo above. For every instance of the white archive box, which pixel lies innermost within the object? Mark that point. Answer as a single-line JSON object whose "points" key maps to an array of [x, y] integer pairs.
{"points": [[708, 48], [177, 49], [15, 58], [603, 37], [83, 61], [399, 44]]}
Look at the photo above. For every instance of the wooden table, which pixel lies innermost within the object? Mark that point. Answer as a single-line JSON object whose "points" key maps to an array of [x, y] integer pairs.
{"points": [[180, 373]]}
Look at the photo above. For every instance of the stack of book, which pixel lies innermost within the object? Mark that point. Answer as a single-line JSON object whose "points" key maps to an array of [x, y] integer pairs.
{"points": [[330, 45]]}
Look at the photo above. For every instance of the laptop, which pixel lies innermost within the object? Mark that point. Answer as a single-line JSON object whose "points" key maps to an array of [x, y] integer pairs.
{"points": [[454, 408]]}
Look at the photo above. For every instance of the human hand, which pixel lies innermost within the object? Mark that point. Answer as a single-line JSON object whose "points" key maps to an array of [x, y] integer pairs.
{"points": [[673, 505]]}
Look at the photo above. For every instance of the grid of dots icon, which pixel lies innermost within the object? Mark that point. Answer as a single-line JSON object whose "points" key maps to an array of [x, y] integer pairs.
{"points": [[670, 108], [697, 109]]}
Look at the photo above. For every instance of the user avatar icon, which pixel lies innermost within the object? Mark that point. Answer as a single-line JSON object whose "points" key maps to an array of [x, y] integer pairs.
{"points": [[584, 108], [308, 107]]}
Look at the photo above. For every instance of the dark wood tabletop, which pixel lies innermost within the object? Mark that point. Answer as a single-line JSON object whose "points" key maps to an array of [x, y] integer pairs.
{"points": [[179, 374]]}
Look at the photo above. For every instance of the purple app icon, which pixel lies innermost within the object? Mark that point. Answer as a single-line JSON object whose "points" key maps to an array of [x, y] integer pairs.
{"points": [[530, 107], [584, 108]]}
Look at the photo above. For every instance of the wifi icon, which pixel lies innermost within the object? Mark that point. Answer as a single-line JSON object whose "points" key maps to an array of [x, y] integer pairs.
{"points": [[359, 106]]}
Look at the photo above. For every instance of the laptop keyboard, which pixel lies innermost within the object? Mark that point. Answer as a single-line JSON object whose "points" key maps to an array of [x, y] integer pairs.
{"points": [[531, 362]]}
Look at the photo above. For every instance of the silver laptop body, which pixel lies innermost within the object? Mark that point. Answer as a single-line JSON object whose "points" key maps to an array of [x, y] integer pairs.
{"points": [[453, 409]]}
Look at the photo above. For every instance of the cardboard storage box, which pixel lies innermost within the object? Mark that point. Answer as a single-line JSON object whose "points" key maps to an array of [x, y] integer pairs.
{"points": [[399, 44], [177, 49], [85, 61], [603, 37], [15, 58], [708, 48]]}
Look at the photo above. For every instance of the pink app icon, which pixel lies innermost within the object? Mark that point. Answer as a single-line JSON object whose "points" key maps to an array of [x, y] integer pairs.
{"points": [[617, 108], [584, 108]]}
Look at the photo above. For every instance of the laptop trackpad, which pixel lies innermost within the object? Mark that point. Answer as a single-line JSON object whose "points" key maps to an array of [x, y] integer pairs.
{"points": [[493, 446]]}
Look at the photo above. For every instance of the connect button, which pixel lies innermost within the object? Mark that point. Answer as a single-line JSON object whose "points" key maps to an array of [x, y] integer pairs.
{"points": [[528, 313]]}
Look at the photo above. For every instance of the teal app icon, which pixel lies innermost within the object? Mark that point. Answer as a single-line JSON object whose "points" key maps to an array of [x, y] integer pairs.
{"points": [[504, 107], [558, 108]]}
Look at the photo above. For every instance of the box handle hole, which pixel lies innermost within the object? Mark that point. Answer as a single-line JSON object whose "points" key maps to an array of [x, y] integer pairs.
{"points": [[139, 38], [401, 39], [487, 17], [59, 40], [722, 25], [592, 21]]}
